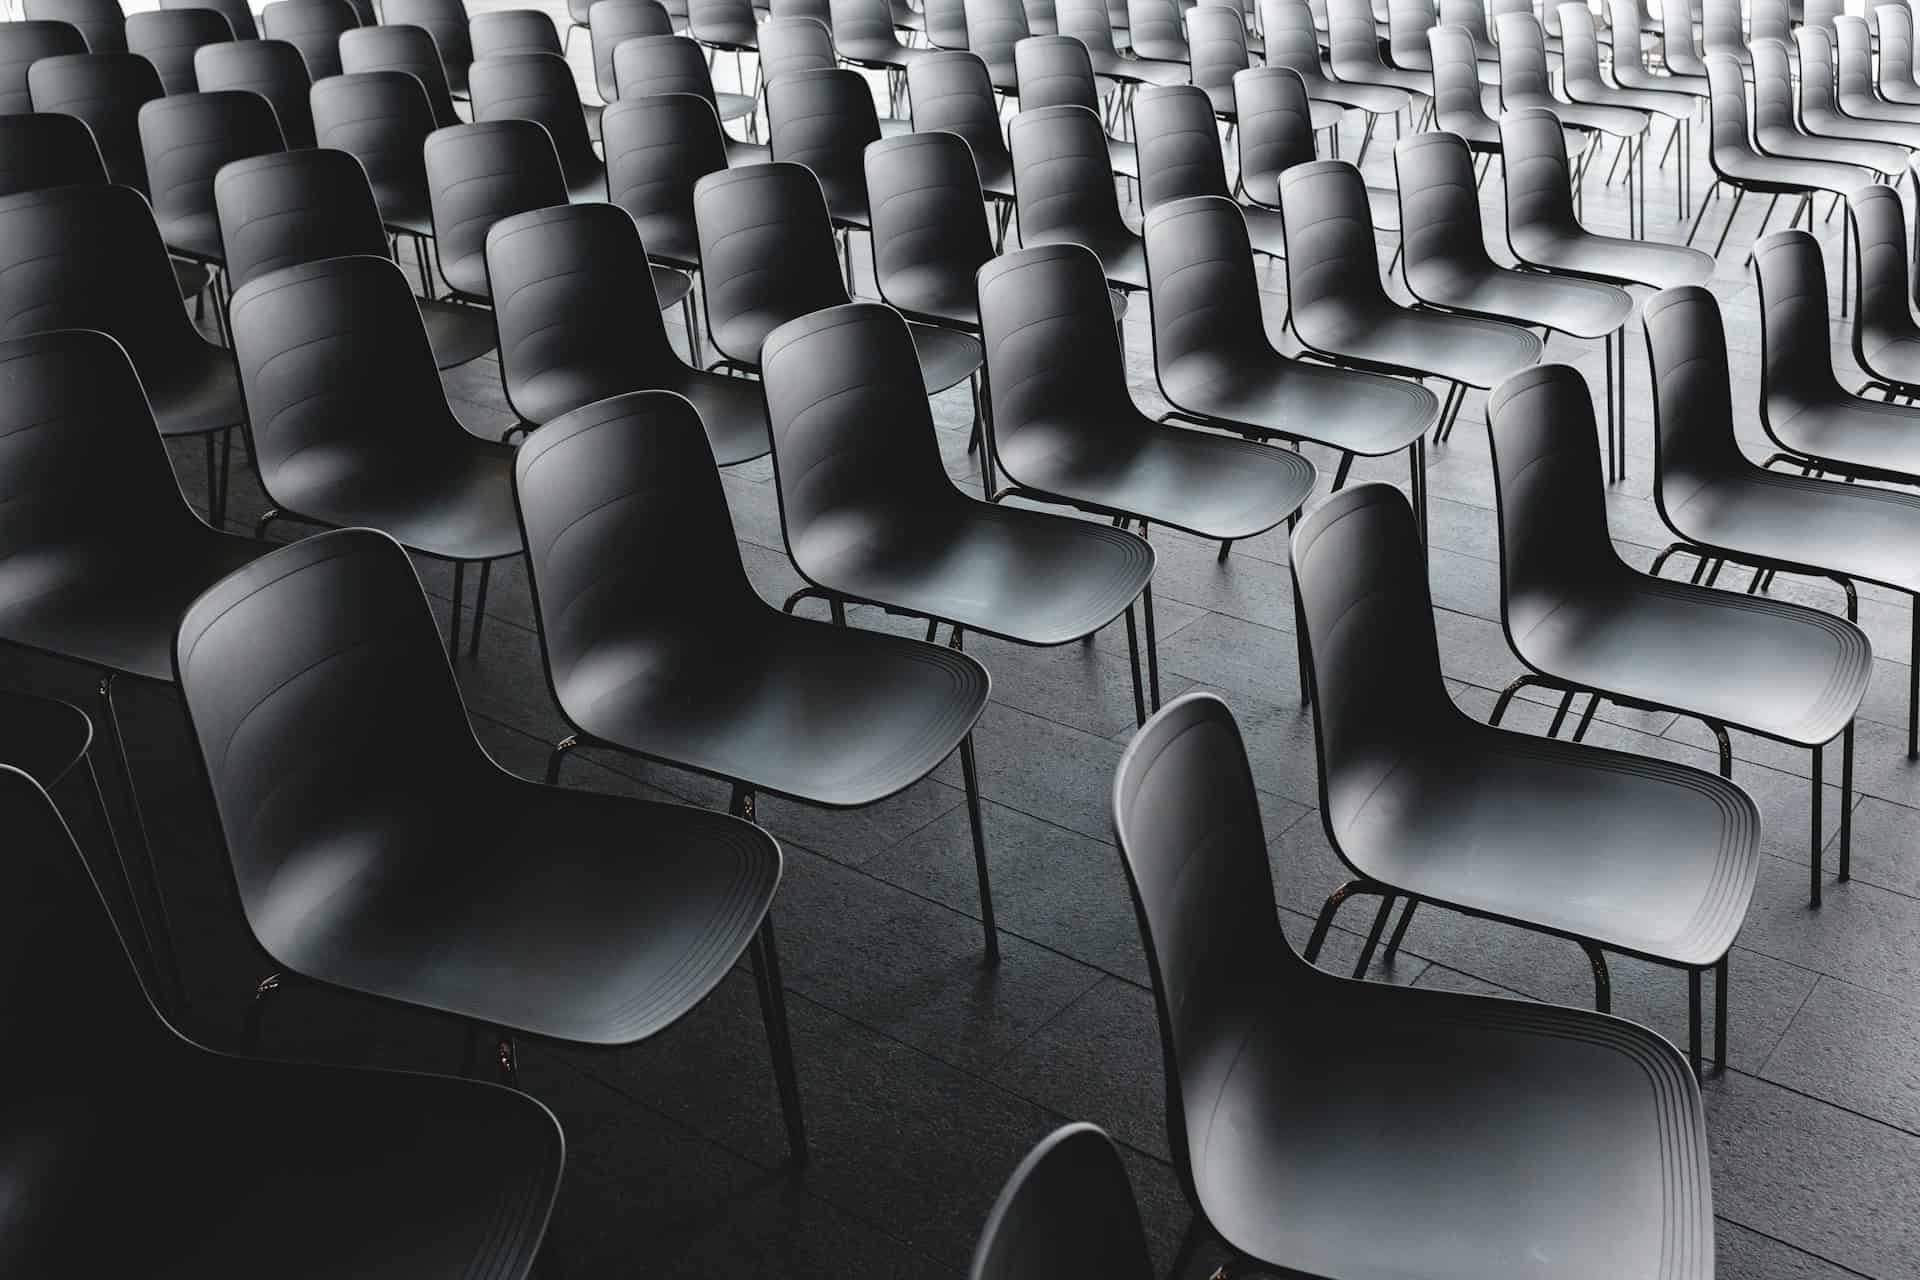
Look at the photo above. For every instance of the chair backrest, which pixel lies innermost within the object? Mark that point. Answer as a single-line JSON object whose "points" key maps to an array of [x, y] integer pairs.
{"points": [[1817, 88], [106, 90], [1896, 45], [766, 253], [824, 120], [1549, 491], [168, 37], [821, 11], [1353, 39], [238, 13], [1062, 175], [1408, 22], [188, 136], [1286, 28], [1217, 43], [477, 174], [47, 149], [538, 87], [100, 22], [503, 31], [724, 23], [1457, 104], [946, 23], [1497, 9], [382, 119], [1067, 1213], [1727, 111], [1053, 353], [856, 22], [661, 64], [407, 49], [313, 27], [1441, 233], [446, 22], [1332, 262], [611, 21], [952, 90], [658, 146], [310, 676], [1853, 60], [1795, 360], [1042, 20], [994, 27], [1623, 35], [1471, 16], [1179, 144], [291, 207], [788, 45], [1538, 182], [1768, 20], [1693, 433], [21, 45], [1822, 14], [1679, 42], [1524, 79], [928, 214], [1882, 270], [1276, 128], [1206, 299], [1054, 71], [1580, 49], [1088, 21], [1773, 108], [273, 69], [1155, 25]]}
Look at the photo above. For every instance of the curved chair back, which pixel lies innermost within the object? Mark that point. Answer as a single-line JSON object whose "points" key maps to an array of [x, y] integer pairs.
{"points": [[1217, 42], [1772, 89], [1727, 113], [820, 11], [477, 174], [1332, 263], [1580, 51], [273, 69], [929, 218], [1441, 233], [238, 13], [1627, 19], [766, 253], [1179, 144], [788, 45], [408, 49], [611, 22], [499, 32], [295, 206], [1457, 105], [952, 91], [168, 37], [722, 24], [189, 136], [1882, 270], [1287, 29], [1408, 22], [662, 64], [824, 120], [994, 27], [1818, 92], [1053, 353], [1153, 27], [106, 90], [946, 23], [1353, 40], [538, 87], [1693, 434], [1853, 60], [1276, 128], [1088, 21], [1206, 300], [1471, 17], [100, 22], [1067, 1213], [658, 146], [1055, 71], [47, 149], [313, 27], [1524, 78], [854, 23], [381, 119], [1769, 20], [446, 22], [1896, 48], [1822, 15], [21, 45], [1793, 319], [1063, 176], [1538, 182]]}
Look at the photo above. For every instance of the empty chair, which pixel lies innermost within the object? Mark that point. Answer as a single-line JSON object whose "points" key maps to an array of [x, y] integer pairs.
{"points": [[674, 64], [952, 90], [408, 49], [1180, 150], [1458, 105], [1353, 51], [706, 675], [1777, 132], [47, 149], [1154, 31], [382, 119], [168, 37], [564, 282], [1895, 66], [1341, 310], [1216, 366], [100, 22], [946, 22], [335, 364], [1525, 85], [855, 453], [725, 26], [499, 32], [1278, 122], [658, 146], [1886, 341], [1091, 23], [273, 69], [1472, 17], [1056, 71], [1063, 187], [1723, 31], [313, 27], [1582, 620], [1067, 1212], [611, 21], [994, 27], [21, 45], [863, 32], [301, 206], [592, 919], [1583, 83], [238, 13], [1820, 111], [1408, 22], [1287, 26], [930, 238], [790, 44], [106, 90], [1217, 35], [540, 87], [1624, 1193], [446, 22], [187, 138], [1853, 64], [477, 174], [824, 120], [1629, 63]]}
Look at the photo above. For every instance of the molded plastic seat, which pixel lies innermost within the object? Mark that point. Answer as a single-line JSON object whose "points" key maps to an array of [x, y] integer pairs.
{"points": [[1353, 51], [381, 119], [454, 1177], [1267, 1058], [21, 45], [930, 236], [238, 13], [1067, 1213], [408, 49], [789, 44], [302, 206], [168, 37], [1288, 28], [1723, 31], [564, 282], [47, 149], [1459, 105], [1408, 22], [106, 90], [1092, 24], [863, 32], [1066, 428], [1629, 64], [724, 25], [1582, 81], [100, 23], [657, 147], [824, 121], [1278, 122], [1155, 32], [540, 87], [187, 138], [1525, 83], [1853, 64], [1680, 50], [476, 175], [870, 514], [1063, 188], [1056, 71], [675, 64], [952, 91], [271, 68], [1341, 309], [1886, 341], [1820, 109], [946, 23], [1472, 17], [1895, 64], [446, 22], [1776, 132], [620, 20], [1217, 36], [313, 27], [500, 32], [1180, 150]]}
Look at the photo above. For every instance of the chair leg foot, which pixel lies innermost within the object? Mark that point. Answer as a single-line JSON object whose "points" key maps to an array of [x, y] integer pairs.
{"points": [[1602, 983], [558, 757], [257, 1008], [1327, 912]]}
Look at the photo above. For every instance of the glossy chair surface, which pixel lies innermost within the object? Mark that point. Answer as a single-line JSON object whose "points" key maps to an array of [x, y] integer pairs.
{"points": [[21, 45], [1066, 1213], [382, 119], [100, 22], [238, 13], [676, 64], [657, 147], [187, 137], [168, 37], [930, 232], [952, 91], [1064, 190], [1777, 128], [446, 22], [540, 87], [47, 149], [1886, 339], [620, 20], [824, 121], [273, 69], [403, 48], [106, 90], [313, 27], [1179, 147], [476, 175]]}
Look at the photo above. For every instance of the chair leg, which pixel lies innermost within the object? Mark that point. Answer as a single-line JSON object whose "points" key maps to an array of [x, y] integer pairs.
{"points": [[773, 1012], [509, 1063], [163, 926], [1196, 1229], [558, 757], [1586, 719], [459, 593], [1720, 1014], [1226, 545], [1739, 194], [1133, 652], [1913, 682], [1693, 1020], [1400, 930], [970, 771], [1153, 645], [257, 1009], [1330, 909], [1602, 984], [479, 607], [1846, 802], [1816, 782], [1373, 935], [1506, 696]]}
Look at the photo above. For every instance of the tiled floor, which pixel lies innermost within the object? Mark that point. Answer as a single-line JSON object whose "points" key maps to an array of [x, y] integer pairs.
{"points": [[926, 1075]]}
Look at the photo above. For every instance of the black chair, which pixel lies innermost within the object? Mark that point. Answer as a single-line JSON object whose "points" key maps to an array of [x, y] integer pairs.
{"points": [[709, 677], [1886, 341], [51, 149], [564, 281], [854, 448], [408, 49], [238, 13], [824, 121], [863, 32], [1091, 22], [1155, 32], [92, 258], [540, 87], [446, 22], [1448, 267], [106, 91], [168, 37], [1724, 508], [1526, 85], [1820, 111], [1056, 71], [611, 21], [658, 145], [1853, 66], [1067, 1213], [350, 425], [994, 27], [477, 174], [450, 1175], [1064, 427], [1216, 366], [1353, 54], [1583, 621], [1063, 190], [313, 680], [302, 206], [1288, 28], [273, 69], [674, 64], [382, 119], [930, 238], [21, 45], [952, 91], [1217, 38], [1777, 129], [499, 32], [313, 27], [1180, 156], [790, 44], [100, 22], [1584, 84], [1268, 1059]]}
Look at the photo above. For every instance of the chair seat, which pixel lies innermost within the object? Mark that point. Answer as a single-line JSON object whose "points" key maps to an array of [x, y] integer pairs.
{"points": [[1360, 413], [996, 174], [1831, 124], [836, 716], [193, 235], [1406, 82], [936, 293], [1578, 308], [1209, 485], [671, 239], [1639, 855], [946, 358], [189, 277], [1221, 97], [1024, 576], [1857, 434], [42, 737], [1894, 358], [740, 154], [1123, 256], [1374, 99], [879, 53], [733, 106], [197, 394], [1465, 349], [1594, 93], [1644, 81], [1880, 157], [731, 409], [456, 503], [1863, 532], [1770, 173], [1611, 258], [1167, 51], [457, 333], [404, 206], [466, 272], [1866, 108], [1137, 70], [1321, 1153], [726, 35], [1266, 230], [1904, 92], [1124, 157], [670, 286]]}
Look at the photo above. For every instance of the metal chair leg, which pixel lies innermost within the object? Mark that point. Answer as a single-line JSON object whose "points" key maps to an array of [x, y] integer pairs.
{"points": [[1373, 935], [1720, 1014], [1816, 785], [509, 1063], [1153, 645], [1330, 909], [1602, 984], [1133, 653], [558, 757], [164, 926], [969, 771], [1400, 930], [1693, 1020], [1846, 802], [459, 592], [764, 960], [256, 1010]]}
